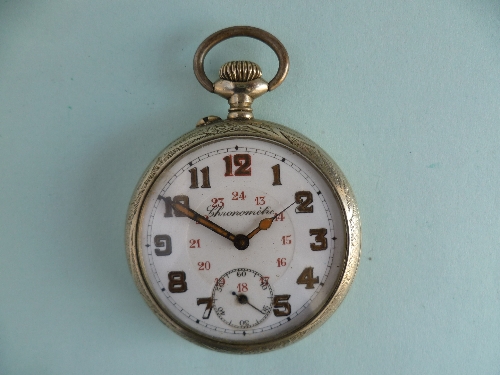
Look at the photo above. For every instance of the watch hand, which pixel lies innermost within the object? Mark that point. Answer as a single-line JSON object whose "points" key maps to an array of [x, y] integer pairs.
{"points": [[244, 301], [266, 223], [193, 215]]}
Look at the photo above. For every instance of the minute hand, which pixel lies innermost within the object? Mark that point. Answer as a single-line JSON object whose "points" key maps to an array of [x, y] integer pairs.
{"points": [[193, 215]]}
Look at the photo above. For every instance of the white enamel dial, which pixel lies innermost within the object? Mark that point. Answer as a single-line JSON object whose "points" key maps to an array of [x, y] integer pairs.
{"points": [[241, 240]]}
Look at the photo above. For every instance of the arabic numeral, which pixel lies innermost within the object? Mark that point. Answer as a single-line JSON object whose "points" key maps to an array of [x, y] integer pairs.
{"points": [[219, 284], [260, 201], [242, 161], [205, 173], [220, 311], [177, 282], [242, 287], [194, 243], [281, 305], [281, 262], [264, 282], [163, 241], [280, 217], [169, 211], [286, 240], [276, 175], [205, 301], [304, 200], [217, 202], [238, 196], [321, 242], [204, 266]]}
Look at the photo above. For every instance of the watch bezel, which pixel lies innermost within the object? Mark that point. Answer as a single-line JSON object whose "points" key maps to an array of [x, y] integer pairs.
{"points": [[287, 138]]}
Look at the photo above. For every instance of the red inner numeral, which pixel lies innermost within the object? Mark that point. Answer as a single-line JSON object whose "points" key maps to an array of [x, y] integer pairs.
{"points": [[280, 217], [204, 266], [217, 202], [238, 196], [193, 244], [260, 201], [242, 287], [286, 240]]}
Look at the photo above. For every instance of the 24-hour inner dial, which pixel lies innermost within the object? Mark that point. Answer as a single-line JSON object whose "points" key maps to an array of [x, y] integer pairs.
{"points": [[264, 248]]}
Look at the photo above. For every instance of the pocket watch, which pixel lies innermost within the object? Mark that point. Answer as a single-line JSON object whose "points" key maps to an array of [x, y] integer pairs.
{"points": [[243, 235]]}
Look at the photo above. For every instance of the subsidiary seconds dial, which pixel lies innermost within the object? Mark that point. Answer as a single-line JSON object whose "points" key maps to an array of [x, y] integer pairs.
{"points": [[242, 298]]}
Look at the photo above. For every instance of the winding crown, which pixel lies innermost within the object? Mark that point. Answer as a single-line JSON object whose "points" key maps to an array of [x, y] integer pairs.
{"points": [[240, 71]]}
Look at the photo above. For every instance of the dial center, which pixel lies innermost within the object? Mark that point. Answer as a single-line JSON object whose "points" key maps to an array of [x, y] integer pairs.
{"points": [[241, 298], [241, 242]]}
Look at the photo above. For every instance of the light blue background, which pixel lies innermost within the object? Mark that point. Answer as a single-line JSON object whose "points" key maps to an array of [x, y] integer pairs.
{"points": [[405, 96]]}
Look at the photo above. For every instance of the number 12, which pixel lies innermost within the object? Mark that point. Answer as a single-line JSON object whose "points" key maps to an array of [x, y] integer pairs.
{"points": [[242, 161]]}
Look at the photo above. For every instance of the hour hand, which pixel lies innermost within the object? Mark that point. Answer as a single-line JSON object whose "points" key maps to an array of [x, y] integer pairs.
{"points": [[193, 215], [265, 224]]}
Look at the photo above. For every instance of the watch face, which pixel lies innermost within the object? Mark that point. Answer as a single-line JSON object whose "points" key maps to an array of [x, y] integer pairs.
{"points": [[240, 241]]}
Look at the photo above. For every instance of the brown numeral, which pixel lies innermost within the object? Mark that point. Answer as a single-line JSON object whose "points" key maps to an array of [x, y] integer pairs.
{"points": [[205, 173], [242, 161], [206, 178], [177, 282], [320, 237], [307, 278], [169, 211], [163, 240], [205, 301], [229, 165], [194, 178], [220, 311], [276, 174], [304, 200], [281, 302]]}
